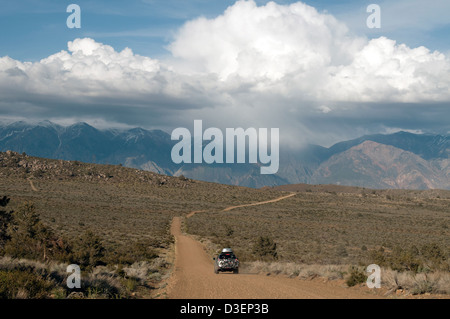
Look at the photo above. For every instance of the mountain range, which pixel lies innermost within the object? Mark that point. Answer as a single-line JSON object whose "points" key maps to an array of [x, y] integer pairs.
{"points": [[400, 160]]}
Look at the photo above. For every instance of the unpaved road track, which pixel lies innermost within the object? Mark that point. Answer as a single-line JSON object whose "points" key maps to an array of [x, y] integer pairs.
{"points": [[245, 205], [32, 185], [260, 203], [194, 278]]}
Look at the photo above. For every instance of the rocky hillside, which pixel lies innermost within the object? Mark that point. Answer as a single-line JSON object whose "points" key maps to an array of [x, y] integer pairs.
{"points": [[376, 165], [13, 164], [399, 160]]}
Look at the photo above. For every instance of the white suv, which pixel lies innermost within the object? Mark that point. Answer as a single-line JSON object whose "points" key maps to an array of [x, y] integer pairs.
{"points": [[226, 261]]}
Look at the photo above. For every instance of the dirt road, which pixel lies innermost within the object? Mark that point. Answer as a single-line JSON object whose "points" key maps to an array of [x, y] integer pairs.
{"points": [[260, 203], [244, 205], [194, 278], [32, 185]]}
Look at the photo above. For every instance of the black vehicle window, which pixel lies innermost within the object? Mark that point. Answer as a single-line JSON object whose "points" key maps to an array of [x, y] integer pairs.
{"points": [[227, 256]]}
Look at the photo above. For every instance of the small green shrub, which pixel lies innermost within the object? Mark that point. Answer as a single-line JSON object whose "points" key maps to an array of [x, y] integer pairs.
{"points": [[16, 284], [356, 277], [130, 254], [265, 248], [89, 250], [131, 284], [423, 286], [29, 237], [5, 220]]}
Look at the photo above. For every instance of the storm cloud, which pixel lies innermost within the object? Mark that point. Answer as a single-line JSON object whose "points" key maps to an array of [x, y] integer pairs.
{"points": [[284, 66]]}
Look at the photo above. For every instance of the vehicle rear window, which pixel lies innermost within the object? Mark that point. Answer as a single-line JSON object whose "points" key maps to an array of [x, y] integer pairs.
{"points": [[226, 256]]}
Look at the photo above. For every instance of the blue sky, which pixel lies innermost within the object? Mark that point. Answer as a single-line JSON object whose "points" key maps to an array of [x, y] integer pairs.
{"points": [[31, 29], [313, 68]]}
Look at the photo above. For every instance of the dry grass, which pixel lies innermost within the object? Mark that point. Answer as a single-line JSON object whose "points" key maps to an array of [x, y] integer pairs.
{"points": [[409, 283], [416, 284], [324, 228], [319, 232], [295, 270], [102, 282], [121, 205]]}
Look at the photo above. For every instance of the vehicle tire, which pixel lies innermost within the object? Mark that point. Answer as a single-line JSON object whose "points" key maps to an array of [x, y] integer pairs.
{"points": [[236, 271]]}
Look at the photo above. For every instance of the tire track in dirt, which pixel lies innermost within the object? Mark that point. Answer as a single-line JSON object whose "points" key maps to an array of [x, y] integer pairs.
{"points": [[32, 185], [244, 205], [260, 203]]}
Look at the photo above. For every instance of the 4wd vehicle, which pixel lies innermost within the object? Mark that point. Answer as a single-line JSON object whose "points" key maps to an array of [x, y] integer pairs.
{"points": [[226, 261]]}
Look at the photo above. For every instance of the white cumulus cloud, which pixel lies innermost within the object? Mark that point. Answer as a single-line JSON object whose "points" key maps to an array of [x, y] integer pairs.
{"points": [[87, 68], [268, 41], [286, 66], [386, 71], [298, 49]]}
